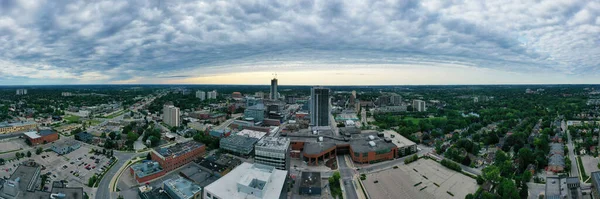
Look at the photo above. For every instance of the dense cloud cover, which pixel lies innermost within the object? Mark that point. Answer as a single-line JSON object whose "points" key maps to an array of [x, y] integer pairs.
{"points": [[108, 41]]}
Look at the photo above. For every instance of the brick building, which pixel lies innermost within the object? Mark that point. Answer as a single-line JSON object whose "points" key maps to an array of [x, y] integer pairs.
{"points": [[41, 137], [173, 157]]}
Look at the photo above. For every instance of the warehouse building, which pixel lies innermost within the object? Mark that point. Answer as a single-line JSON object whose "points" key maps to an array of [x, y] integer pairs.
{"points": [[17, 127], [41, 137]]}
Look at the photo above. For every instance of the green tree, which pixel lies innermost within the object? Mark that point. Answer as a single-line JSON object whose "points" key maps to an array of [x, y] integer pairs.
{"points": [[525, 157], [38, 151], [91, 181], [28, 153], [526, 176], [508, 189], [491, 174]]}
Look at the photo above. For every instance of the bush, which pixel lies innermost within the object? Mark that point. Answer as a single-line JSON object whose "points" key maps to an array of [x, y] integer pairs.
{"points": [[451, 165], [363, 176], [411, 159]]}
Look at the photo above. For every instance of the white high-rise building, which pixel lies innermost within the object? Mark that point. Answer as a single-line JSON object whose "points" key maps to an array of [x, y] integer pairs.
{"points": [[211, 95], [21, 91], [419, 105], [171, 116], [201, 95]]}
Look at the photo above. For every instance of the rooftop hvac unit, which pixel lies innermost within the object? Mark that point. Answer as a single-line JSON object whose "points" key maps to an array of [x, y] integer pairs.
{"points": [[372, 143], [321, 139]]}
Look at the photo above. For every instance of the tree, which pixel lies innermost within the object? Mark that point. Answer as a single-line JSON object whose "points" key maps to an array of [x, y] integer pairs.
{"points": [[148, 157], [91, 181], [28, 153], [28, 142], [491, 174], [526, 176], [507, 189], [525, 157], [38, 151], [103, 135], [113, 135]]}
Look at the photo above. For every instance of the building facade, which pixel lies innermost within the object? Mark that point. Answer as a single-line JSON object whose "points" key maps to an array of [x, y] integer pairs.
{"points": [[242, 145], [201, 95], [211, 95], [171, 116], [42, 137], [272, 151], [256, 112], [319, 107], [17, 127], [273, 94], [175, 156], [419, 106], [146, 171], [64, 148]]}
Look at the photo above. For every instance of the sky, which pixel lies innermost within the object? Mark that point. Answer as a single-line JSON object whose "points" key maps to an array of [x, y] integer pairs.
{"points": [[302, 42]]}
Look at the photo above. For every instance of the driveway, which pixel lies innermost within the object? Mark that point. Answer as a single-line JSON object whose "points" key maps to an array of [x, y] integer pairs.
{"points": [[103, 191]]}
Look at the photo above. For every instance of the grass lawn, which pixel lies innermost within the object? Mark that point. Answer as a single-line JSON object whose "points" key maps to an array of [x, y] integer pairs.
{"points": [[116, 114], [95, 122], [71, 118], [413, 120]]}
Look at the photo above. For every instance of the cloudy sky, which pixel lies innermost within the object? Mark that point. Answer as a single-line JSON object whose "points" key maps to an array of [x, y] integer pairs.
{"points": [[306, 42]]}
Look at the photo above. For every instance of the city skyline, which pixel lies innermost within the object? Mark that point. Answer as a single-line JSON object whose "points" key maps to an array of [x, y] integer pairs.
{"points": [[304, 42]]}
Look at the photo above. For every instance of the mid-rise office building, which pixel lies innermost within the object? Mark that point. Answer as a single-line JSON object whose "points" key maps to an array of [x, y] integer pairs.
{"points": [[256, 112], [201, 95], [274, 95], [320, 106], [396, 100], [173, 157], [211, 95], [272, 151], [248, 181], [171, 116], [419, 106]]}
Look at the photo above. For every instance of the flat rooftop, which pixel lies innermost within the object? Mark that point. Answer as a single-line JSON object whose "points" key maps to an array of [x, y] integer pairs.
{"points": [[26, 175], [70, 192], [179, 148], [239, 140], [15, 124], [251, 133], [278, 143], [182, 188], [310, 179], [398, 139], [146, 168], [32, 135], [245, 174]]}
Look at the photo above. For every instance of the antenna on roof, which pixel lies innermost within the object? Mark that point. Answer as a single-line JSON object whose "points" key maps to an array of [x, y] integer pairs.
{"points": [[274, 75]]}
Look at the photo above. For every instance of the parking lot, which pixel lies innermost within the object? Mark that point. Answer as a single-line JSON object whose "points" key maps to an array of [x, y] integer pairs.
{"points": [[590, 164], [75, 167], [421, 179], [12, 144]]}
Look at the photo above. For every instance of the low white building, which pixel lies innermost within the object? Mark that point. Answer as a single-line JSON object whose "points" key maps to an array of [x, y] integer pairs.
{"points": [[248, 181]]}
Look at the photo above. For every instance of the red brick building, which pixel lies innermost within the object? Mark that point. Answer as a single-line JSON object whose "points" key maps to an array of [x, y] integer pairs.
{"points": [[173, 157], [146, 171], [41, 137]]}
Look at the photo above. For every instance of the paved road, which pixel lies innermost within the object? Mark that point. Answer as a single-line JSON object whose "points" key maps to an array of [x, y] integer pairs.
{"points": [[347, 174], [103, 191], [574, 167]]}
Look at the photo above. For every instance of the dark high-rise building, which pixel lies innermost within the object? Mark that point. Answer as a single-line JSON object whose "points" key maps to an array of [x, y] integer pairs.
{"points": [[319, 106], [274, 89]]}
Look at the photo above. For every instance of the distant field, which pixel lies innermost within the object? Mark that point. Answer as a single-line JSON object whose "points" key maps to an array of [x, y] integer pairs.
{"points": [[116, 114], [95, 122], [72, 118]]}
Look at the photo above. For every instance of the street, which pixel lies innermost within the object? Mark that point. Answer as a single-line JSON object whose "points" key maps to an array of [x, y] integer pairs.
{"points": [[574, 167], [103, 191], [347, 175]]}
